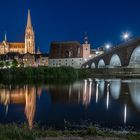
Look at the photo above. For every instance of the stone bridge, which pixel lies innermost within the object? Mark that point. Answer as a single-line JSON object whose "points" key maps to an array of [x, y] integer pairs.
{"points": [[123, 55]]}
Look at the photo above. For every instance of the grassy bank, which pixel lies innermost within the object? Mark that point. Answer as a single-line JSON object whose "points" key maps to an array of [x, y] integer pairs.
{"points": [[15, 132], [41, 74]]}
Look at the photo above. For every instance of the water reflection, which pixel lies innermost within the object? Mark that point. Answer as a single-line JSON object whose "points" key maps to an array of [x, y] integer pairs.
{"points": [[125, 113], [30, 105], [91, 98], [134, 88], [20, 95], [97, 92], [107, 100], [115, 88]]}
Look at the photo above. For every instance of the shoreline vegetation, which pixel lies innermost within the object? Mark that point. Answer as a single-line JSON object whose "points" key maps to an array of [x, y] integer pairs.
{"points": [[62, 74], [41, 75], [21, 132]]}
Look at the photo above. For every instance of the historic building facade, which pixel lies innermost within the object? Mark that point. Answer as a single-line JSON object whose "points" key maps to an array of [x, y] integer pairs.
{"points": [[70, 53], [66, 54], [21, 47], [23, 52]]}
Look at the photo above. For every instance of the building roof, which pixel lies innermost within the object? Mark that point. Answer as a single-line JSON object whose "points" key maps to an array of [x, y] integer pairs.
{"points": [[70, 49], [16, 45], [66, 43]]}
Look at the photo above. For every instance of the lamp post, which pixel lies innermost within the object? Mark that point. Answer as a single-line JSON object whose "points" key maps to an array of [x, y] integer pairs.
{"points": [[107, 47], [126, 36]]}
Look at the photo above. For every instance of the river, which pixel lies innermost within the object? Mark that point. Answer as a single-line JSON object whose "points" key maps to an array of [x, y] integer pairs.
{"points": [[109, 103]]}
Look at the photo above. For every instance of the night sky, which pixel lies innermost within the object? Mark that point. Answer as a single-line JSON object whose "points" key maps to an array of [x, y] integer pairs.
{"points": [[66, 20]]}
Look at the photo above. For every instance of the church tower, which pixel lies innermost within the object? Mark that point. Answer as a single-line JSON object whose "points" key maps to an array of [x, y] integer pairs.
{"points": [[86, 47], [29, 36]]}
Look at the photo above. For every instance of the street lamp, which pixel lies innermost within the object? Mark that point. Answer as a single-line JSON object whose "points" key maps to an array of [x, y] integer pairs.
{"points": [[107, 46], [126, 36]]}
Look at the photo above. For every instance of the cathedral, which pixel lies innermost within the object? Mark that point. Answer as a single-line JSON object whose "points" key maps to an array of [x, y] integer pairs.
{"points": [[21, 47]]}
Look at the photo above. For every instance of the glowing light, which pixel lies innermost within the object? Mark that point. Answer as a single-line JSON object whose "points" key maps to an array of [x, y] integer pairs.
{"points": [[125, 113], [126, 35], [90, 89], [97, 92], [107, 100], [107, 46], [97, 52]]}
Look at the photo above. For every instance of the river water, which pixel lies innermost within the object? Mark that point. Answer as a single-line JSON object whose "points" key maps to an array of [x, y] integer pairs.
{"points": [[111, 103]]}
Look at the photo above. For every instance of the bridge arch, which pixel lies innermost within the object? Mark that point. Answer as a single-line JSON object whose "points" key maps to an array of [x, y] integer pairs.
{"points": [[87, 66], [115, 61], [93, 66], [135, 58], [101, 63]]}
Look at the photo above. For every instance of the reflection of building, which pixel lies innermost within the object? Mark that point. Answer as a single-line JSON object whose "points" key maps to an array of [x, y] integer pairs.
{"points": [[21, 47], [30, 105], [20, 95], [79, 92]]}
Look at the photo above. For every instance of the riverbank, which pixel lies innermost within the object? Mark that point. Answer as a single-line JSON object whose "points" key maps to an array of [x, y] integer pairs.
{"points": [[115, 73], [41, 75], [80, 138], [21, 132], [62, 74]]}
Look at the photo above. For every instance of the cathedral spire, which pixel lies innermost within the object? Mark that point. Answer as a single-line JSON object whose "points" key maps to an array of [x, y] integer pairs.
{"points": [[5, 38], [29, 36], [29, 23]]}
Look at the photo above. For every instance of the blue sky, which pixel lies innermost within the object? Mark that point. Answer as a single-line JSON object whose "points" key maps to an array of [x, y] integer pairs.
{"points": [[66, 20]]}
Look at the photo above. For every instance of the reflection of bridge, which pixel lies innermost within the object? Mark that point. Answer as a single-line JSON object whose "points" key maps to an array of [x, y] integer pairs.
{"points": [[126, 55]]}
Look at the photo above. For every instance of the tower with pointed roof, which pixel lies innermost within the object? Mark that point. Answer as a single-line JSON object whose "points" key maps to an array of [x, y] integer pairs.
{"points": [[29, 36], [86, 47]]}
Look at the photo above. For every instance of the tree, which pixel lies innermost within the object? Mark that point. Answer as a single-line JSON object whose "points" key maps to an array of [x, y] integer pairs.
{"points": [[14, 63], [7, 63], [1, 64]]}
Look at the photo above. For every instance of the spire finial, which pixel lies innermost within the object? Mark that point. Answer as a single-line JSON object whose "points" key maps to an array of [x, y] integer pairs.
{"points": [[86, 38], [29, 23], [38, 51], [5, 38]]}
